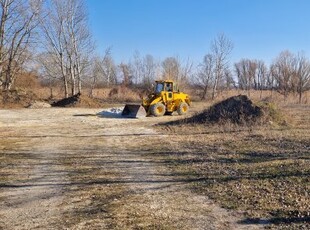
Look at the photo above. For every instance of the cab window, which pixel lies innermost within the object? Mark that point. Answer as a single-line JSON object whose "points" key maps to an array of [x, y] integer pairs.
{"points": [[175, 88], [169, 87], [159, 87]]}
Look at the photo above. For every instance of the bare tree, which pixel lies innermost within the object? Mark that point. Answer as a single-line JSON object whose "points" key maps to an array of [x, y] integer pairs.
{"points": [[214, 70], [103, 71], [229, 80], [251, 74], [49, 71], [245, 72], [302, 75], [270, 79], [283, 70], [221, 48], [108, 69], [150, 67], [242, 69], [52, 28], [17, 24], [137, 68], [205, 74], [143, 70], [96, 74], [186, 72], [291, 73], [127, 74], [67, 40], [261, 75], [174, 69], [171, 68]]}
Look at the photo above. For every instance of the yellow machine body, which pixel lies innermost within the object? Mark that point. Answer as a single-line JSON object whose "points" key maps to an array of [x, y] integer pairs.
{"points": [[166, 99]]}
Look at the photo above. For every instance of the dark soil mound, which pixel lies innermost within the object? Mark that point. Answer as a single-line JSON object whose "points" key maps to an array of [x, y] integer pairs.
{"points": [[67, 102], [78, 100], [238, 110]]}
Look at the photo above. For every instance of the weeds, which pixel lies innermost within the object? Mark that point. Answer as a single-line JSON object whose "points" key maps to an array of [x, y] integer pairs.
{"points": [[262, 171]]}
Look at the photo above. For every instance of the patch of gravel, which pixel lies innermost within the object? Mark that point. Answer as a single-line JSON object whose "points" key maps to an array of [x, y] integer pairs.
{"points": [[39, 105]]}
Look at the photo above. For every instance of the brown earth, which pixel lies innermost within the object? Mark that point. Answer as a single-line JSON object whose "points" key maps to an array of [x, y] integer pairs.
{"points": [[67, 168], [17, 98], [239, 110], [28, 99], [262, 170], [78, 100]]}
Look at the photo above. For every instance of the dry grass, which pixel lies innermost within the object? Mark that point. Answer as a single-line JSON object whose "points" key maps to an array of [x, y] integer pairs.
{"points": [[108, 94], [31, 89], [267, 96], [104, 176], [262, 171]]}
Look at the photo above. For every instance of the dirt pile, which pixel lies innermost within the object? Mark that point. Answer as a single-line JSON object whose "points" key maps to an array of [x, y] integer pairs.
{"points": [[16, 98], [78, 100], [237, 110], [67, 102]]}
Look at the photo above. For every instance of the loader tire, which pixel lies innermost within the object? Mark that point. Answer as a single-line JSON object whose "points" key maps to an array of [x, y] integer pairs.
{"points": [[183, 108], [158, 110]]}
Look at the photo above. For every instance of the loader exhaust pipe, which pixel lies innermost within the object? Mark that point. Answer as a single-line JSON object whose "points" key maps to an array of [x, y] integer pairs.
{"points": [[134, 111]]}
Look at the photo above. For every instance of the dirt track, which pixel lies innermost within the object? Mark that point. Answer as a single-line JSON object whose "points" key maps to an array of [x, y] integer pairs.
{"points": [[68, 168]]}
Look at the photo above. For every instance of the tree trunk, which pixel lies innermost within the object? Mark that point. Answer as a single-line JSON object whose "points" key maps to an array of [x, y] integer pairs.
{"points": [[51, 92], [214, 88], [79, 78], [73, 81], [91, 92], [66, 87], [204, 94]]}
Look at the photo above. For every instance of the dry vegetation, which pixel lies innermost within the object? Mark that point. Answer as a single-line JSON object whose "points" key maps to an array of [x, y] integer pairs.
{"points": [[262, 170], [247, 157], [68, 168], [28, 91]]}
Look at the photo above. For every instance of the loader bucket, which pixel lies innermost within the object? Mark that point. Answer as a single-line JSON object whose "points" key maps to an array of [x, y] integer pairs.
{"points": [[133, 111]]}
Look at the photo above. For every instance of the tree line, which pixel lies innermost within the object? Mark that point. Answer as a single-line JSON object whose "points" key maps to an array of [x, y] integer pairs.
{"points": [[52, 37]]}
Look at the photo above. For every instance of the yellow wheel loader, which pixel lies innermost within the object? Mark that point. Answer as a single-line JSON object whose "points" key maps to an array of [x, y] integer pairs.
{"points": [[165, 99]]}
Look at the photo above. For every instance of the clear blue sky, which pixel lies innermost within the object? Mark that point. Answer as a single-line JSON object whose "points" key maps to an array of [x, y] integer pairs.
{"points": [[259, 29]]}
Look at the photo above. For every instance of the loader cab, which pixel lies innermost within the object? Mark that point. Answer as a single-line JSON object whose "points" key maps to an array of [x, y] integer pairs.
{"points": [[165, 89], [167, 86], [159, 87]]}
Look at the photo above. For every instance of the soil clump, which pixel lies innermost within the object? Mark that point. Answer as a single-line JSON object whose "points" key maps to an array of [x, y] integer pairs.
{"points": [[78, 100], [16, 98], [239, 110]]}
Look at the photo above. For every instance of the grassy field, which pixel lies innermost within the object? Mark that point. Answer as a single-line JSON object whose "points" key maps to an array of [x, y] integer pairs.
{"points": [[260, 171], [76, 160], [71, 169]]}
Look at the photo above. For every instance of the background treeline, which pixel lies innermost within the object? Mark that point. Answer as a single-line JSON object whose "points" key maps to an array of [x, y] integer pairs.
{"points": [[52, 40]]}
